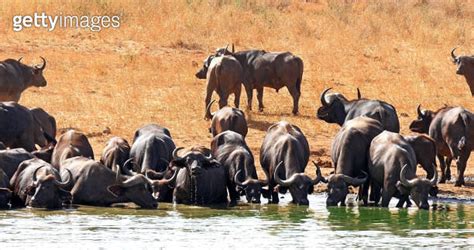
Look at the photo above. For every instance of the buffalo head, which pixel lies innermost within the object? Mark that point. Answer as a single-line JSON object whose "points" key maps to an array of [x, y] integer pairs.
{"points": [[338, 187], [252, 188], [422, 124], [202, 73], [418, 188], [46, 191], [299, 184], [333, 108], [38, 79], [465, 64]]}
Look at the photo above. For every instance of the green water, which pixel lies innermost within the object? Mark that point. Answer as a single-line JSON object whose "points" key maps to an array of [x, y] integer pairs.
{"points": [[245, 226]]}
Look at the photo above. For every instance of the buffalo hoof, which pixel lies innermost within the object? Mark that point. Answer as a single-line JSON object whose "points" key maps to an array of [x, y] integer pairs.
{"points": [[295, 113], [459, 183], [260, 110], [442, 180], [233, 203]]}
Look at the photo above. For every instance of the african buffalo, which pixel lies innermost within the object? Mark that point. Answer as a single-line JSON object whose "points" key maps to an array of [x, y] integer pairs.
{"points": [[338, 109], [238, 161], [285, 152], [465, 67], [453, 131], [38, 184], [70, 144], [201, 179], [392, 168], [10, 159], [269, 69], [224, 75], [227, 118], [5, 193], [46, 121], [349, 154], [94, 184], [115, 153], [15, 77], [19, 128], [151, 150], [425, 151]]}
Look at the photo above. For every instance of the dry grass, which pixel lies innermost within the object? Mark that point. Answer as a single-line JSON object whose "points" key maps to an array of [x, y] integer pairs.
{"points": [[143, 72]]}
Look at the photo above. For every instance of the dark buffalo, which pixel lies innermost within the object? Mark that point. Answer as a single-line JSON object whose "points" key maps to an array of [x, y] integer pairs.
{"points": [[46, 121], [338, 109], [285, 152], [224, 75], [94, 184], [227, 118], [71, 144], [392, 168], [115, 153], [10, 159], [5, 193], [38, 184], [349, 154], [465, 67], [425, 151], [15, 77], [453, 131], [18, 127], [269, 69], [201, 179], [151, 150], [234, 154]]}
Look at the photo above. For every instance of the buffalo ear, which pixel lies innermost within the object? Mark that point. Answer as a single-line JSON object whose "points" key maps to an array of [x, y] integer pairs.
{"points": [[115, 190], [30, 190], [434, 191]]}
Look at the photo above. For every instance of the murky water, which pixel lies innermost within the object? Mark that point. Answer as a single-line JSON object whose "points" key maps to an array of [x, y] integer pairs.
{"points": [[245, 226]]}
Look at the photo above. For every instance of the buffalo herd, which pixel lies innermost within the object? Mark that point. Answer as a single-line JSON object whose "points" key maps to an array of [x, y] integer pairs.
{"points": [[38, 170]]}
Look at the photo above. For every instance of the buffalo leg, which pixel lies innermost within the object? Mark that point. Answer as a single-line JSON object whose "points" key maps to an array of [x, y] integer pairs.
{"points": [[448, 168], [387, 194], [442, 165], [234, 195], [223, 99], [461, 166], [402, 200], [207, 101], [375, 193], [237, 96], [260, 98], [249, 90], [364, 193], [296, 98]]}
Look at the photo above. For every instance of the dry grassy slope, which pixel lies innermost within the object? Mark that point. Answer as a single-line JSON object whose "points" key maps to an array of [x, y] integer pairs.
{"points": [[144, 71]]}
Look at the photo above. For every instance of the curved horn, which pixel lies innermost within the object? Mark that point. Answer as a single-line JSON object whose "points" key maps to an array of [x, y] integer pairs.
{"points": [[358, 94], [267, 178], [418, 110], [44, 64], [175, 153], [283, 183], [167, 181], [435, 177], [65, 183], [356, 181], [125, 170], [323, 97], [233, 50], [453, 55], [237, 181], [34, 178], [319, 176], [208, 110], [226, 47], [403, 179], [19, 59]]}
